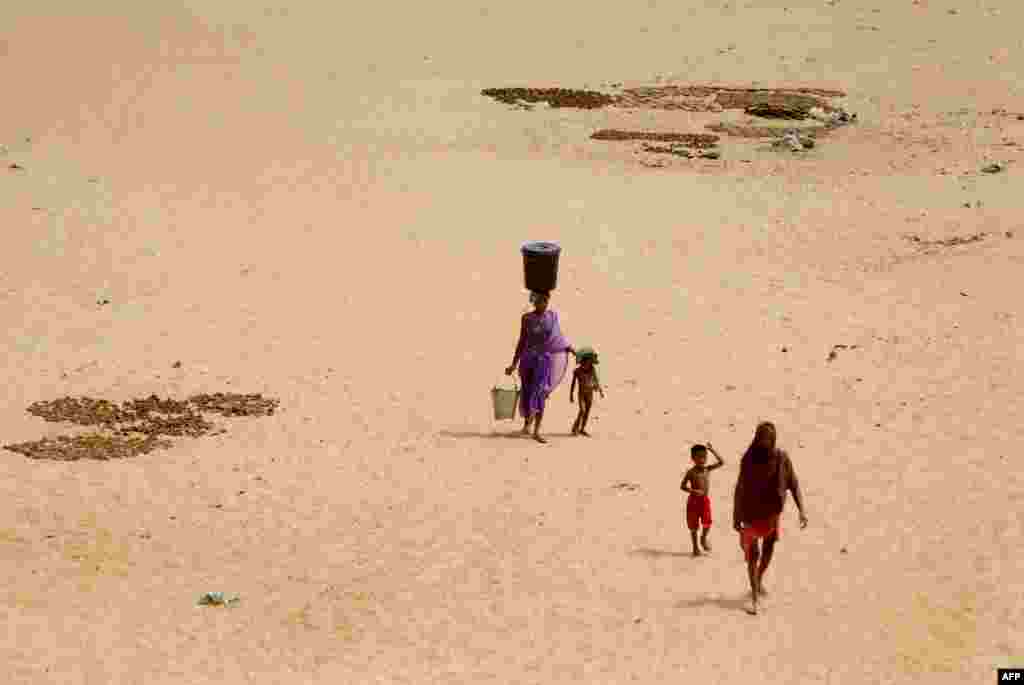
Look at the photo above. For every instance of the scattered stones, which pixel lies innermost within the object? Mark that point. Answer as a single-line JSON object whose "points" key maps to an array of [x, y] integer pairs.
{"points": [[233, 404], [793, 141], [102, 302], [626, 486], [15, 167], [695, 140], [88, 446], [758, 131], [217, 599], [768, 110], [677, 150], [834, 353], [947, 242], [710, 154], [835, 117], [994, 168], [176, 365]]}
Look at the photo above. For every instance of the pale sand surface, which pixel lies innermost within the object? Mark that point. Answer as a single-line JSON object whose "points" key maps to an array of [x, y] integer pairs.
{"points": [[318, 205]]}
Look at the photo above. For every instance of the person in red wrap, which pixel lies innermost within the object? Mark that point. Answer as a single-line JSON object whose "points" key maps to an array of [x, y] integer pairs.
{"points": [[766, 475]]}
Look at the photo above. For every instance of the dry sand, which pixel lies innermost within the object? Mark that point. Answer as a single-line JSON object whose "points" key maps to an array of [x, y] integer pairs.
{"points": [[318, 205]]}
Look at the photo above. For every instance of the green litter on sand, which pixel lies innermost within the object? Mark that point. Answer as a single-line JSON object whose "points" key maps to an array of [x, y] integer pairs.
{"points": [[217, 599]]}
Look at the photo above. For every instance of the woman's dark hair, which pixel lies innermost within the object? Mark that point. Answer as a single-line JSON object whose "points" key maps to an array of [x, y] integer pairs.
{"points": [[755, 450], [697, 449]]}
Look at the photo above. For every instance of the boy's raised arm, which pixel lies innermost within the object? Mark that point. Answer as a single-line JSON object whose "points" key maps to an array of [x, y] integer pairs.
{"points": [[718, 458]]}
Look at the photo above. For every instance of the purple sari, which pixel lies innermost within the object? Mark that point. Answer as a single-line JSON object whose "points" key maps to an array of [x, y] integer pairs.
{"points": [[543, 360]]}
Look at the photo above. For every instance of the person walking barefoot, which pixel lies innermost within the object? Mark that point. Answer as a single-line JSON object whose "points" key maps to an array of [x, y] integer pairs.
{"points": [[542, 361], [766, 475], [697, 483], [585, 374]]}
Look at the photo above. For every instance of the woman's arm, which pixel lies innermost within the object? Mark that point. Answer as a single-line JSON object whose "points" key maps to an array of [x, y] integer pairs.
{"points": [[793, 484], [737, 499], [521, 343]]}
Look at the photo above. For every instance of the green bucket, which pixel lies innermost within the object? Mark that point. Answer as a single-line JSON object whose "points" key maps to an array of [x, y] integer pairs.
{"points": [[504, 401]]}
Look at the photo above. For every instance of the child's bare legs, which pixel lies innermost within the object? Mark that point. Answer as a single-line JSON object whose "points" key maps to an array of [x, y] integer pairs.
{"points": [[704, 539], [766, 558], [579, 420], [526, 425], [693, 538], [585, 414]]}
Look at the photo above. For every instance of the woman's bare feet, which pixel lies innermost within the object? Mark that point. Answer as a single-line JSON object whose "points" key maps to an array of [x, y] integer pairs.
{"points": [[752, 608], [584, 433], [539, 438]]}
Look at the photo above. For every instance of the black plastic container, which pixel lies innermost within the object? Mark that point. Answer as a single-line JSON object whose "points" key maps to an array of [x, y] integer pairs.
{"points": [[540, 266]]}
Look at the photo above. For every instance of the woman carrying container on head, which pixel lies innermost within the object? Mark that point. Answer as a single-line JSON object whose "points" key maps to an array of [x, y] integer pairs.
{"points": [[542, 358]]}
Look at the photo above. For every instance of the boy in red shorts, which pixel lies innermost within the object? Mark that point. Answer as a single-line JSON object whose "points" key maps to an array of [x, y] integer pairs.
{"points": [[766, 475], [698, 504]]}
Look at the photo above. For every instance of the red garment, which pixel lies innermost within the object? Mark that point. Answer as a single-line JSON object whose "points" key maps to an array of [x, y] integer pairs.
{"points": [[756, 530], [698, 510]]}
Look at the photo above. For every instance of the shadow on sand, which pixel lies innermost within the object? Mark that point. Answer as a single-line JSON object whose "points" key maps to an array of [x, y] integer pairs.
{"points": [[658, 553], [481, 434], [515, 434], [730, 603]]}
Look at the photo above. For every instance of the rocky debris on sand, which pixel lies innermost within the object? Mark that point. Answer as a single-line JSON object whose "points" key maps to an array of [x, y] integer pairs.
{"points": [[795, 102], [135, 426], [89, 446], [82, 411], [794, 141], [760, 131], [695, 140], [217, 599], [677, 150], [767, 110], [834, 352], [994, 168], [555, 97], [834, 117], [234, 404], [947, 242]]}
